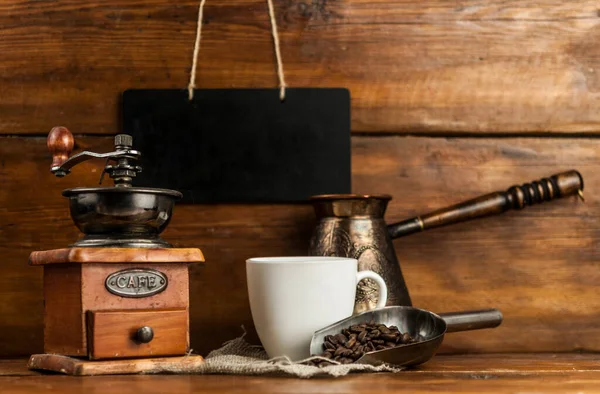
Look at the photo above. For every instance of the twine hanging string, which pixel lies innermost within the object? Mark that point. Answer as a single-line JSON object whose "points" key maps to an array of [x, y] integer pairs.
{"points": [[275, 34], [192, 83], [280, 74]]}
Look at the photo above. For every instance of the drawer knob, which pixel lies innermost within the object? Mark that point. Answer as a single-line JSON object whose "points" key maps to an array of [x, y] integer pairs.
{"points": [[144, 334]]}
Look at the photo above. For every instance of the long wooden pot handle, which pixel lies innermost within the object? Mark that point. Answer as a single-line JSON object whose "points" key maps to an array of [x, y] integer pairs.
{"points": [[517, 197]]}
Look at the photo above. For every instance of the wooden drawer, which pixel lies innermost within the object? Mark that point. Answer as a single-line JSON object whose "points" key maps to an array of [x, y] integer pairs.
{"points": [[113, 334]]}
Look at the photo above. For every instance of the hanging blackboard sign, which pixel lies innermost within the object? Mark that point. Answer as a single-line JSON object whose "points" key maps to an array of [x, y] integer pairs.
{"points": [[242, 145]]}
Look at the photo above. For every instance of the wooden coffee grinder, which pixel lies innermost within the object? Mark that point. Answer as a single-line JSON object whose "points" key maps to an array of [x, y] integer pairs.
{"points": [[117, 300]]}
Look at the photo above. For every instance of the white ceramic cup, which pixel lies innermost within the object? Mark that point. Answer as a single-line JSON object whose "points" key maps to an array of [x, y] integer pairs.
{"points": [[292, 297]]}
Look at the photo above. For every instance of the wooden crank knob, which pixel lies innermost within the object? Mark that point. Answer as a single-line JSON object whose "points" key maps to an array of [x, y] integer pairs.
{"points": [[60, 144]]}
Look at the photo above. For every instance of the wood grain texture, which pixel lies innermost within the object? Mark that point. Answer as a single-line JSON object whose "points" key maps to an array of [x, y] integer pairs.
{"points": [[111, 333], [64, 327], [539, 266], [548, 373], [15, 367], [116, 255], [573, 382], [490, 365], [432, 66], [78, 367]]}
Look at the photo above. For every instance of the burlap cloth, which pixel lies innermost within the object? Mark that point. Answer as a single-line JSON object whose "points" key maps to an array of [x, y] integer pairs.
{"points": [[238, 357]]}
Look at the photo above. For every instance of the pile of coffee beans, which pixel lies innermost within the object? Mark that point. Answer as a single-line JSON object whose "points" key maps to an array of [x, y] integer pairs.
{"points": [[353, 342]]}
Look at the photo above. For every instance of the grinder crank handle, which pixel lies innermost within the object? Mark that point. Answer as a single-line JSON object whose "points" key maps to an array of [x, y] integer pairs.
{"points": [[517, 197], [472, 320], [60, 144]]}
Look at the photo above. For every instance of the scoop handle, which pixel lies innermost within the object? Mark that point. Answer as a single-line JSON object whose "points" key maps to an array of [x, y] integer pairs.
{"points": [[472, 320], [517, 197]]}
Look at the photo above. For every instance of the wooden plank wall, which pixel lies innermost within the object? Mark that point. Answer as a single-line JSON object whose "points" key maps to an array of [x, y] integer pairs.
{"points": [[449, 100]]}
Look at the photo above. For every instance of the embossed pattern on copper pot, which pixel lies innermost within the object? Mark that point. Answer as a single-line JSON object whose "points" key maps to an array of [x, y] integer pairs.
{"points": [[353, 226]]}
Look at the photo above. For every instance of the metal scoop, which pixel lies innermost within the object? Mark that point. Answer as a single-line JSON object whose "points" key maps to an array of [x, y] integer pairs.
{"points": [[429, 328]]}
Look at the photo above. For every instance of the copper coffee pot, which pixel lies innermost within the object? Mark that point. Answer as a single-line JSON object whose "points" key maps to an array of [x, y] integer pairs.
{"points": [[352, 225]]}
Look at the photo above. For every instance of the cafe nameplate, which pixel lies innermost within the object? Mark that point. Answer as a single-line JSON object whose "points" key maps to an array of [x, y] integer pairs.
{"points": [[136, 282]]}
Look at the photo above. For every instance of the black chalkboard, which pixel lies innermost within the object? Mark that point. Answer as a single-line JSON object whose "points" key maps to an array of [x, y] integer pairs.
{"points": [[242, 145]]}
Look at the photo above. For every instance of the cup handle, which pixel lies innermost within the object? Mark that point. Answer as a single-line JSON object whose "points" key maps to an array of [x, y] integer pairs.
{"points": [[383, 292]]}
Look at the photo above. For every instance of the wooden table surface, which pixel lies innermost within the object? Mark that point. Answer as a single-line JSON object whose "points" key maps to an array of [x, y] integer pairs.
{"points": [[579, 373]]}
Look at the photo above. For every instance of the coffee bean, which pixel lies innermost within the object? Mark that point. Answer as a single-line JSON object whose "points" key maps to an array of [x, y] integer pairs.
{"points": [[375, 333], [390, 344], [356, 329], [346, 332], [406, 337], [380, 347], [378, 341], [327, 355], [389, 337], [339, 351], [328, 346], [351, 342], [341, 338], [362, 337]]}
